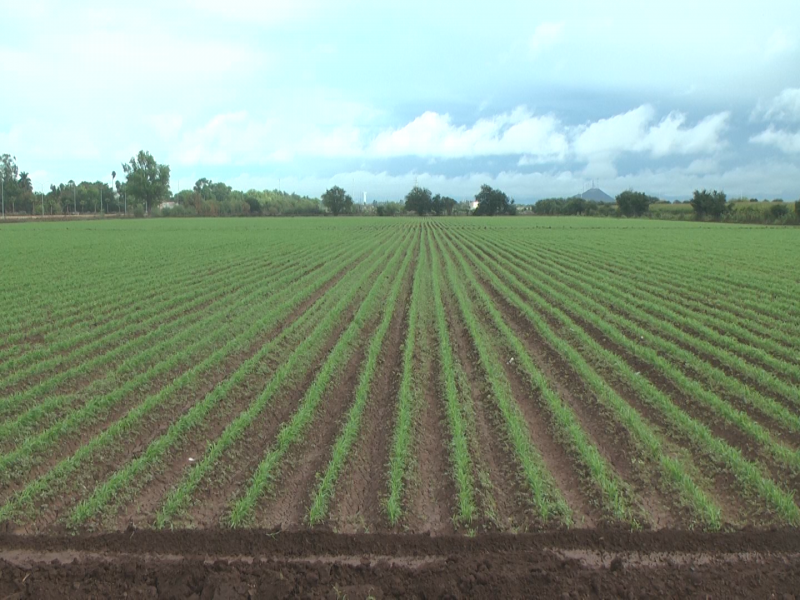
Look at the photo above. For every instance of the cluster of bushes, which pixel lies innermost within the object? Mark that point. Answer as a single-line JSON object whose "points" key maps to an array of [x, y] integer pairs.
{"points": [[572, 206], [705, 205], [209, 199]]}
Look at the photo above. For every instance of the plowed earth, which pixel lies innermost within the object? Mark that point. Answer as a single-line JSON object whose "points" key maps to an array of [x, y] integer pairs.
{"points": [[54, 464]]}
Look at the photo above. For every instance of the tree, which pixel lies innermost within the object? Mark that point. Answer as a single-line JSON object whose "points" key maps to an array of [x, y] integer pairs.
{"points": [[449, 205], [709, 204], [337, 201], [436, 205], [419, 200], [253, 203], [8, 173], [493, 202], [778, 210], [146, 179], [634, 204]]}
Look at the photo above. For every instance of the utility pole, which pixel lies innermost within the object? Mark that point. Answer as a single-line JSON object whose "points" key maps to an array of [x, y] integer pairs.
{"points": [[3, 193], [74, 201], [101, 197], [41, 189]]}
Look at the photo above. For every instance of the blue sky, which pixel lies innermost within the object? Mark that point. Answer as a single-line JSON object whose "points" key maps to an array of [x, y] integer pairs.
{"points": [[375, 96]]}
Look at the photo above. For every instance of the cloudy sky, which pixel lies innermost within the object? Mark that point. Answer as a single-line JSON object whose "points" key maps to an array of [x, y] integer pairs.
{"points": [[539, 100]]}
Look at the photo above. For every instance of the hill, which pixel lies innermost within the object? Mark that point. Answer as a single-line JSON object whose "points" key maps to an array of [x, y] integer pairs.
{"points": [[595, 194]]}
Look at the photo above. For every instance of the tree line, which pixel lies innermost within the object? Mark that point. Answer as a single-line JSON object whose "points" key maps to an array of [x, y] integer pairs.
{"points": [[422, 201], [710, 205]]}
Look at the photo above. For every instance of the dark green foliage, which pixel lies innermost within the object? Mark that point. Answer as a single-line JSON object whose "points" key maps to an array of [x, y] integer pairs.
{"points": [[419, 200], [146, 180], [253, 203], [709, 204], [138, 211], [337, 201], [493, 202], [778, 210], [634, 204], [208, 190], [389, 209]]}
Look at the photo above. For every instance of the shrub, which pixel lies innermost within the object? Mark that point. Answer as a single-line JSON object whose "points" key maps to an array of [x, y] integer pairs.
{"points": [[138, 211], [634, 204], [709, 204], [778, 210]]}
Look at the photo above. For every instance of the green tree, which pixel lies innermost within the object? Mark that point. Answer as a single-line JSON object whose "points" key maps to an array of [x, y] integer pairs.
{"points": [[778, 210], [9, 172], [337, 201], [449, 204], [711, 204], [419, 200], [437, 206], [493, 202], [146, 179], [634, 204]]}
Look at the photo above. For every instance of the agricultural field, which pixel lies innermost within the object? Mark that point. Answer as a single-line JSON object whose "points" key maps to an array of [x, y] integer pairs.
{"points": [[466, 378]]}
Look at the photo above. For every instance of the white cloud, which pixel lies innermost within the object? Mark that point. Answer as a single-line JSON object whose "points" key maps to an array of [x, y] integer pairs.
{"points": [[783, 107], [786, 141], [668, 137], [602, 142], [434, 135], [544, 36]]}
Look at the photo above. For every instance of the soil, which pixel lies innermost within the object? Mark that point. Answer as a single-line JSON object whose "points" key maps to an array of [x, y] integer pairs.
{"points": [[262, 564]]}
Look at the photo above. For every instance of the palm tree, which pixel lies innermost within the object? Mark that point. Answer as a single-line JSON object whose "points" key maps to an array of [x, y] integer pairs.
{"points": [[25, 182]]}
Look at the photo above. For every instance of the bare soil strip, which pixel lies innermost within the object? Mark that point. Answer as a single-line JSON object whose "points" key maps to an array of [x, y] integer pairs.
{"points": [[257, 564]]}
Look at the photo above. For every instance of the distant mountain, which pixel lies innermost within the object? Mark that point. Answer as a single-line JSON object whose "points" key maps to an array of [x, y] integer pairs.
{"points": [[595, 194]]}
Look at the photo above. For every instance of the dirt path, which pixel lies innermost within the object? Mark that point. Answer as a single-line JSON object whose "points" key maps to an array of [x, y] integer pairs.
{"points": [[255, 564]]}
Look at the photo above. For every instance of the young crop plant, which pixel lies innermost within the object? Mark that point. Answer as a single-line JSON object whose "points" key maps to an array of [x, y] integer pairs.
{"points": [[615, 496], [124, 479], [404, 427], [243, 510], [538, 481], [45, 483], [298, 362], [211, 325], [673, 470], [604, 320], [347, 438], [747, 473], [459, 444]]}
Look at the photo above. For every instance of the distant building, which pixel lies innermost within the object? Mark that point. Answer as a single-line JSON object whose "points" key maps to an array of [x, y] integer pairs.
{"points": [[170, 204], [473, 205]]}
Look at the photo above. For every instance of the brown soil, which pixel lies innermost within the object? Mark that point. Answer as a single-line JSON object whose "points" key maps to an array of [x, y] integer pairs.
{"points": [[724, 491], [213, 497], [508, 509], [286, 505], [612, 440], [141, 509], [153, 426], [260, 564], [356, 506]]}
